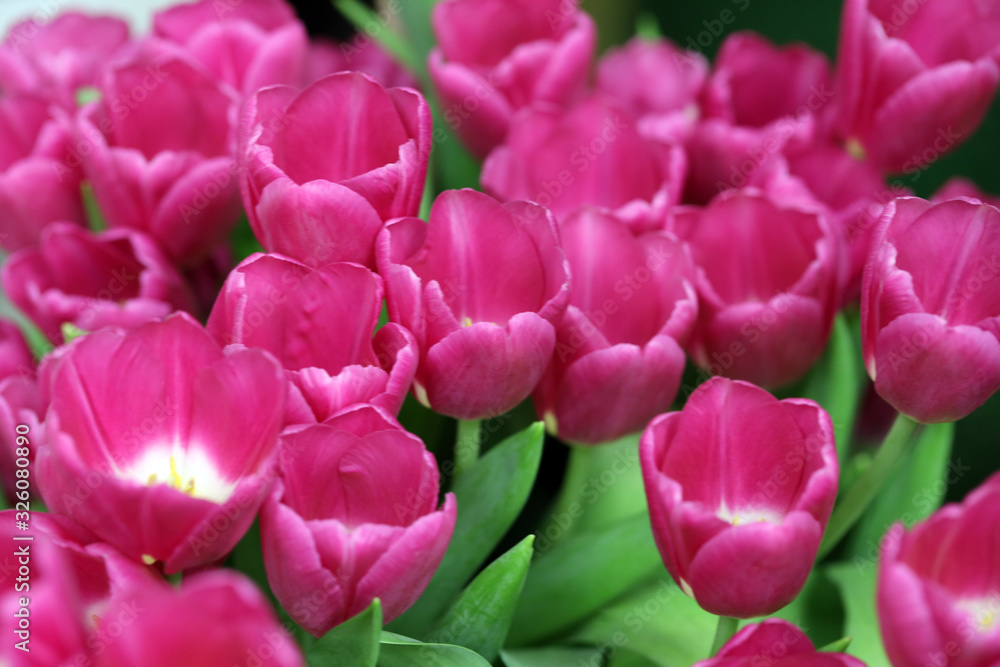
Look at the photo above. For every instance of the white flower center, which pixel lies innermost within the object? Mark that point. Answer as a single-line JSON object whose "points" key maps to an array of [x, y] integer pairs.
{"points": [[747, 515], [190, 471], [984, 612]]}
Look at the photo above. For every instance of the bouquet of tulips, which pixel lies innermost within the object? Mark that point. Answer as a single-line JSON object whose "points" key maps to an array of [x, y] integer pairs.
{"points": [[459, 343]]}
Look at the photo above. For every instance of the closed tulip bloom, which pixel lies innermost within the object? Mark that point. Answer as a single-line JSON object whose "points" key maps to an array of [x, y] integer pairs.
{"points": [[248, 44], [958, 188], [173, 438], [914, 82], [776, 642], [485, 336], [357, 55], [939, 587], [319, 323], [117, 277], [37, 185], [618, 357], [590, 154], [767, 285], [498, 56], [317, 193], [15, 355], [216, 618], [930, 307], [740, 487], [158, 150], [353, 517]]}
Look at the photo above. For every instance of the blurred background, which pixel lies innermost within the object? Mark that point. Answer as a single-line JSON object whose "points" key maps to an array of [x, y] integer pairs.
{"points": [[702, 26]]}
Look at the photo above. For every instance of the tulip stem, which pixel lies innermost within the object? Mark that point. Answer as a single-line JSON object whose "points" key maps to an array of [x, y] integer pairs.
{"points": [[863, 491], [724, 631], [466, 444]]}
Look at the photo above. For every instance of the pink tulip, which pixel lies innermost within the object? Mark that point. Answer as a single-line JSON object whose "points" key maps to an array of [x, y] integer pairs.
{"points": [[485, 336], [159, 441], [216, 618], [958, 188], [767, 284], [740, 487], [21, 405], [777, 643], [15, 356], [590, 154], [939, 587], [37, 186], [498, 56], [929, 307], [352, 519], [317, 193], [319, 324], [361, 54], [117, 277], [247, 44], [618, 357], [158, 150], [55, 58], [915, 79]]}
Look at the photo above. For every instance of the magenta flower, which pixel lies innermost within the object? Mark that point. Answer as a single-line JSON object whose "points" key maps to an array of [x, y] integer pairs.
{"points": [[914, 82], [54, 58], [740, 487], [777, 643], [36, 185], [361, 54], [21, 404], [958, 188], [590, 154], [216, 618], [353, 518], [485, 336], [767, 284], [159, 441], [618, 357], [930, 307], [157, 148], [317, 193], [496, 57], [15, 355], [118, 277], [939, 587], [248, 44], [319, 324]]}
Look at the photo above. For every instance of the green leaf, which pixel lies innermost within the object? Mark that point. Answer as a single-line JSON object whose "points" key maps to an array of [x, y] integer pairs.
{"points": [[95, 219], [490, 494], [398, 651], [581, 575], [552, 656], [481, 616], [656, 621], [857, 588], [354, 642], [374, 26], [839, 646], [38, 342], [71, 332], [910, 495]]}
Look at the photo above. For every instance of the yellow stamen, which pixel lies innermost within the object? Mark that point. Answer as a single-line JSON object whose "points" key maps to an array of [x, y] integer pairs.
{"points": [[855, 149], [468, 321], [152, 479], [147, 559], [174, 479]]}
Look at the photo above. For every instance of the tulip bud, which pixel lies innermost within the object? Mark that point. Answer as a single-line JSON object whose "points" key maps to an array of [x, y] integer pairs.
{"points": [[774, 642], [938, 585], [618, 357], [353, 518], [929, 312], [485, 336], [740, 487]]}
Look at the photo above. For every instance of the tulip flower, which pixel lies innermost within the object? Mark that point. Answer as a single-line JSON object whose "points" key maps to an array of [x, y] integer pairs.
{"points": [[21, 405], [958, 188], [15, 356], [317, 193], [939, 588], [117, 277], [352, 518], [767, 284], [361, 54], [160, 442], [929, 313], [36, 185], [485, 336], [740, 487], [319, 324], [54, 58], [590, 154], [914, 81], [216, 618], [248, 44], [618, 357], [777, 643], [158, 152], [497, 57]]}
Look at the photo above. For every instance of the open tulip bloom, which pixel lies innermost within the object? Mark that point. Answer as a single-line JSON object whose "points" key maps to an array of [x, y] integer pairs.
{"points": [[493, 333]]}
